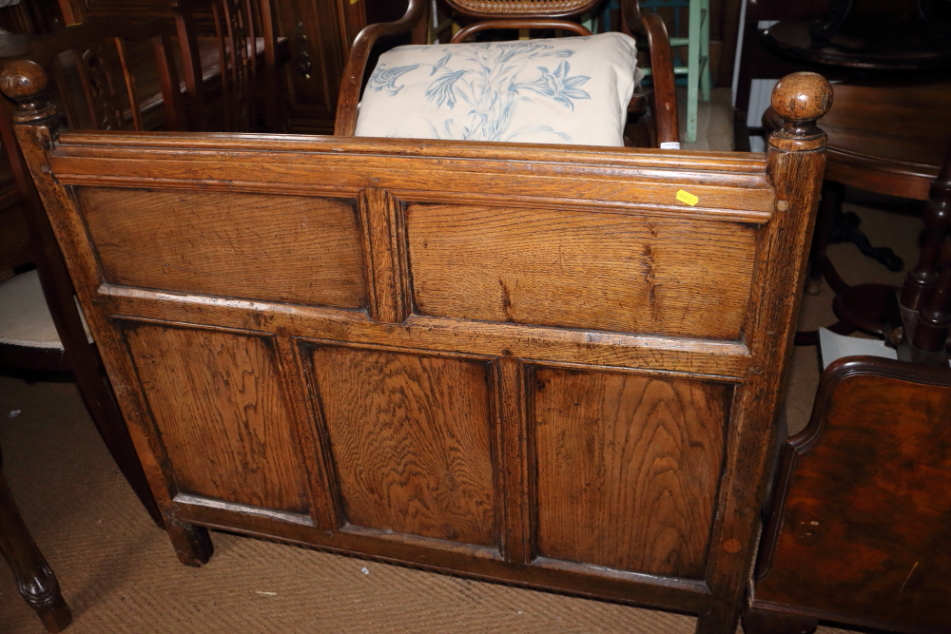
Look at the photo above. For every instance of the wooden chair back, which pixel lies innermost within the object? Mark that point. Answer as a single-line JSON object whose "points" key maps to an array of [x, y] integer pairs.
{"points": [[97, 71], [245, 33], [501, 9], [109, 74], [552, 366]]}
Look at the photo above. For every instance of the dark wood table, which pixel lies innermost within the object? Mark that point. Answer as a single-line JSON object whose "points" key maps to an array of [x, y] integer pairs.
{"points": [[889, 140]]}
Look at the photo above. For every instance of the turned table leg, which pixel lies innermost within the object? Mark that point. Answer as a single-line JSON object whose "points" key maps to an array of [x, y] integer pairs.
{"points": [[35, 579]]}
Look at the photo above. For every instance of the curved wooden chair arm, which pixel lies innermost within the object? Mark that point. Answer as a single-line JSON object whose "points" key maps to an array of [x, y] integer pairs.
{"points": [[346, 122], [662, 74]]}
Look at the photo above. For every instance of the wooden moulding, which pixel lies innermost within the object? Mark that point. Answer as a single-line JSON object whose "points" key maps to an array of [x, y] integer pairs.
{"points": [[562, 446]]}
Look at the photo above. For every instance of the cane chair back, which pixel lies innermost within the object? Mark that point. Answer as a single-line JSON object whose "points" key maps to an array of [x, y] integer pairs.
{"points": [[500, 9]]}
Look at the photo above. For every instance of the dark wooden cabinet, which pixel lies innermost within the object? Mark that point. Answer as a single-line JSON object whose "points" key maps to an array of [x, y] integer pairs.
{"points": [[320, 32]]}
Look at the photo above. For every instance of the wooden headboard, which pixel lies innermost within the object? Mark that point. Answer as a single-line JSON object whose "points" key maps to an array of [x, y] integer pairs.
{"points": [[552, 366]]}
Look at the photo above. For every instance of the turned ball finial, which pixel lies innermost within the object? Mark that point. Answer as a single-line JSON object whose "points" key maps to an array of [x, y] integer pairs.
{"points": [[23, 79], [25, 82], [802, 96]]}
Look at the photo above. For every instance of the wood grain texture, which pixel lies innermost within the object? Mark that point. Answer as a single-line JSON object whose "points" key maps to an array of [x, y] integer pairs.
{"points": [[729, 187], [384, 252], [639, 274], [281, 248], [795, 161], [516, 494], [403, 405], [411, 441], [865, 497], [223, 422], [627, 468], [727, 360]]}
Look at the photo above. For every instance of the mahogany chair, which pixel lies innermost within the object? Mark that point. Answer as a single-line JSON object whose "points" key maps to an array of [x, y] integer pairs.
{"points": [[35, 579], [652, 115], [43, 331], [248, 61], [857, 532]]}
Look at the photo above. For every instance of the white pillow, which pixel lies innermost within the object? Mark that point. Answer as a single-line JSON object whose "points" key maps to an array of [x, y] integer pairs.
{"points": [[567, 90]]}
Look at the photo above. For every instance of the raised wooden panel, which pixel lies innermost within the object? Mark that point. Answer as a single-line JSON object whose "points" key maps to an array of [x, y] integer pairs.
{"points": [[585, 270], [411, 441], [279, 248], [627, 468], [221, 416]]}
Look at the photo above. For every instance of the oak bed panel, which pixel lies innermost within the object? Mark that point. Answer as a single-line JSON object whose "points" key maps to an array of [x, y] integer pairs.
{"points": [[254, 246], [627, 468], [604, 271], [557, 367], [221, 415], [410, 437]]}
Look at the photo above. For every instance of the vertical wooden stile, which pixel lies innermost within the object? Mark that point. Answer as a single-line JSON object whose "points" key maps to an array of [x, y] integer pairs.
{"points": [[385, 255], [129, 83], [307, 430], [796, 156], [514, 458]]}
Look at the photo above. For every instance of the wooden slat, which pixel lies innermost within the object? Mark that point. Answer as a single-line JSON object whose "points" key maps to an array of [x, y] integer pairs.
{"points": [[631, 588], [664, 354], [558, 180]]}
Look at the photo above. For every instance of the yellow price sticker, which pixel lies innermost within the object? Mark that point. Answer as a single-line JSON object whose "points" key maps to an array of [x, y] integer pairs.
{"points": [[687, 197]]}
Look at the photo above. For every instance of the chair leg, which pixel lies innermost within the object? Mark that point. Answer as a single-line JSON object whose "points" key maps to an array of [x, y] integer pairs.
{"points": [[35, 579], [705, 50], [758, 620], [693, 70]]}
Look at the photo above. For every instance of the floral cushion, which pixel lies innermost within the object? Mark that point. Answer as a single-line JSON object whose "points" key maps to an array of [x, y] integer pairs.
{"points": [[566, 90]]}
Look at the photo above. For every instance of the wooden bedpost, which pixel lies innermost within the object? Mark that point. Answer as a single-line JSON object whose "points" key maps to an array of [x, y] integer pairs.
{"points": [[796, 155]]}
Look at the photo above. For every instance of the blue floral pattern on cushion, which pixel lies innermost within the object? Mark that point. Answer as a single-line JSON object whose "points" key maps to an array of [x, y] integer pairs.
{"points": [[564, 90], [489, 86], [385, 78]]}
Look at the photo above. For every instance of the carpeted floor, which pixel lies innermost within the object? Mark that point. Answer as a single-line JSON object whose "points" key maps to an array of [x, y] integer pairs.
{"points": [[119, 573]]}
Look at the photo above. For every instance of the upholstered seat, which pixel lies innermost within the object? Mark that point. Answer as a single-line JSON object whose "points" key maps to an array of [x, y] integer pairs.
{"points": [[569, 90], [25, 318], [566, 90]]}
